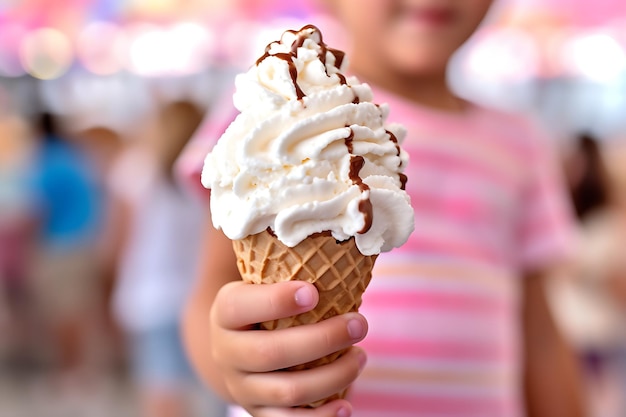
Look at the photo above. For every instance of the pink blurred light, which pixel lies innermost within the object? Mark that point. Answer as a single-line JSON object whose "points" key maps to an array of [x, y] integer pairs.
{"points": [[11, 36], [575, 12], [100, 48]]}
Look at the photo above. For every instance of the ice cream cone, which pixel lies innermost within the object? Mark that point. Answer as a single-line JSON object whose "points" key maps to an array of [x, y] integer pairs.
{"points": [[338, 270], [309, 150]]}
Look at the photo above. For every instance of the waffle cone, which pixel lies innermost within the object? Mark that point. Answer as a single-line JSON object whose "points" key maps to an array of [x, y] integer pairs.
{"points": [[337, 269]]}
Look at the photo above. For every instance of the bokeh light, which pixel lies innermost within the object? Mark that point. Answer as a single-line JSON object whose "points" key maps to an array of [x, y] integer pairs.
{"points": [[46, 53], [595, 56], [180, 49], [506, 54], [100, 48], [190, 45]]}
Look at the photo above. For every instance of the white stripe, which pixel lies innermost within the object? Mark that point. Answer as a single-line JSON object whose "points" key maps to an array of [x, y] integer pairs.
{"points": [[463, 390], [504, 287], [418, 258]]}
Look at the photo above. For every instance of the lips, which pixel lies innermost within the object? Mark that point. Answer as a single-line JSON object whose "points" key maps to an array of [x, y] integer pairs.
{"points": [[431, 16]]}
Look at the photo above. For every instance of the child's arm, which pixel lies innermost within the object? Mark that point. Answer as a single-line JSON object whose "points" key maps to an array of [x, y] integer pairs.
{"points": [[552, 378], [241, 363]]}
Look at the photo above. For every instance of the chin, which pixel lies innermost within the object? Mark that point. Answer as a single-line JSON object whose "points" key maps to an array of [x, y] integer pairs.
{"points": [[422, 66], [428, 59]]}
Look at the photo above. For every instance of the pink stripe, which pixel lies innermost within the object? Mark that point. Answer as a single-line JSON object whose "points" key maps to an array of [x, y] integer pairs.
{"points": [[489, 130], [502, 135], [388, 403], [545, 229], [442, 161], [465, 209], [419, 243], [485, 125], [443, 350], [546, 219], [418, 301]]}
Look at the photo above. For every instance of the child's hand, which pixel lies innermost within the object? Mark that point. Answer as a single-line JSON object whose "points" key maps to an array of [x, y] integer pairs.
{"points": [[251, 360]]}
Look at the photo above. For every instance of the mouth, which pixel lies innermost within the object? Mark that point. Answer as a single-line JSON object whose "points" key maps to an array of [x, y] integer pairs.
{"points": [[430, 16]]}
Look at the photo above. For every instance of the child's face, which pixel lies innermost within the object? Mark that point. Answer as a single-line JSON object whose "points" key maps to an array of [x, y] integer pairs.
{"points": [[408, 36]]}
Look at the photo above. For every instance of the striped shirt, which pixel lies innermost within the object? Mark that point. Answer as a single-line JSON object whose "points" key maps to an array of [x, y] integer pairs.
{"points": [[443, 310]]}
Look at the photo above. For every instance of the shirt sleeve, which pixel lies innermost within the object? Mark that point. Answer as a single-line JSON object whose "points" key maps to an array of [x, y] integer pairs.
{"points": [[546, 223], [188, 168]]}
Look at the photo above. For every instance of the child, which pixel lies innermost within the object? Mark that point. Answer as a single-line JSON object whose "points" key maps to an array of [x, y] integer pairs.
{"points": [[65, 281], [457, 312], [158, 239], [588, 304]]}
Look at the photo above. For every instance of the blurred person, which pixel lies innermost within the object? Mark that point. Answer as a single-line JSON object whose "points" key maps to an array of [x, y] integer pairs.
{"points": [[66, 279], [587, 177], [102, 146], [615, 155], [458, 320], [18, 223], [160, 225], [588, 304]]}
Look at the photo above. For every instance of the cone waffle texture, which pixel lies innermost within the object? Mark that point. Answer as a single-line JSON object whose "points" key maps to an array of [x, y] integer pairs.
{"points": [[338, 270]]}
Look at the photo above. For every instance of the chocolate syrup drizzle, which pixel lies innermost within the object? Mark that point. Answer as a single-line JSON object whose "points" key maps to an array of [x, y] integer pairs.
{"points": [[356, 164], [356, 161], [288, 57], [403, 178]]}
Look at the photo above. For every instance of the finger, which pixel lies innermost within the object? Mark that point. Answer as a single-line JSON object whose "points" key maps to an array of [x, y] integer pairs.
{"points": [[269, 350], [240, 305], [338, 408], [288, 389]]}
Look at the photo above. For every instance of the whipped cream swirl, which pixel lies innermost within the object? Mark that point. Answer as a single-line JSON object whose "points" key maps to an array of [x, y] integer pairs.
{"points": [[308, 153]]}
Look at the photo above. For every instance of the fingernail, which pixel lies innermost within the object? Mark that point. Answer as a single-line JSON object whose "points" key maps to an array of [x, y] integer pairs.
{"points": [[356, 330], [344, 412], [304, 297]]}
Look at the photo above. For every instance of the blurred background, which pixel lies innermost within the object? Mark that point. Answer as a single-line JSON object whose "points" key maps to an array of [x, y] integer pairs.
{"points": [[96, 95]]}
